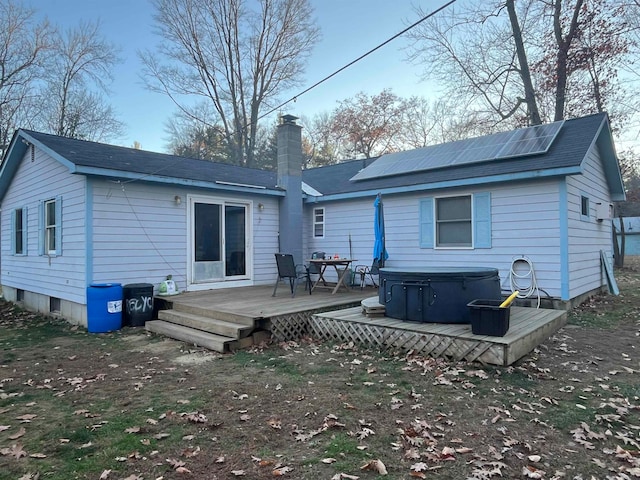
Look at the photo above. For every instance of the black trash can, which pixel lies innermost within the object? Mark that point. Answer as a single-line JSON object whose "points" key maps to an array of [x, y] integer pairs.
{"points": [[138, 304]]}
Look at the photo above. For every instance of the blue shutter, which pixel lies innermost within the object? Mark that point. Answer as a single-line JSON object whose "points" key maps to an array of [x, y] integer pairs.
{"points": [[41, 227], [24, 230], [482, 220], [59, 225], [426, 223], [13, 232]]}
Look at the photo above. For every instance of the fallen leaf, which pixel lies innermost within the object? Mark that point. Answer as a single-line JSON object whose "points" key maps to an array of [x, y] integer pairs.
{"points": [[278, 472], [328, 460], [18, 434], [132, 430], [27, 417], [376, 466], [17, 451], [105, 475], [532, 472], [38, 455], [238, 473]]}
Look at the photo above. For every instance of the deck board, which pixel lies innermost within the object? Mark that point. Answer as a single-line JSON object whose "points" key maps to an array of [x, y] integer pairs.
{"points": [[341, 316]]}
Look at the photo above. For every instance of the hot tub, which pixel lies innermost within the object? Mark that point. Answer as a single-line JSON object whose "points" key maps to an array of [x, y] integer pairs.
{"points": [[436, 294]]}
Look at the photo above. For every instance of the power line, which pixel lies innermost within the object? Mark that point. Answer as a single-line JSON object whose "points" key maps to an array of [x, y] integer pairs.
{"points": [[294, 98], [308, 89]]}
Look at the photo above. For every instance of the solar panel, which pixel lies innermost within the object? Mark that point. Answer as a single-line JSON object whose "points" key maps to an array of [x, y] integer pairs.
{"points": [[517, 143]]}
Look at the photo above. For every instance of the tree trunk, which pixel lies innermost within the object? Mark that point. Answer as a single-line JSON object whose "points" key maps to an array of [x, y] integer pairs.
{"points": [[564, 44], [525, 74]]}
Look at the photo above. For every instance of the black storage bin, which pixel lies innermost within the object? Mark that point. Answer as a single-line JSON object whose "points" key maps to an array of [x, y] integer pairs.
{"points": [[487, 318], [435, 294], [138, 304]]}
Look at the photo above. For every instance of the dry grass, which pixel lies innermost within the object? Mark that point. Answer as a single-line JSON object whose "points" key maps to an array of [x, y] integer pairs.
{"points": [[129, 405]]}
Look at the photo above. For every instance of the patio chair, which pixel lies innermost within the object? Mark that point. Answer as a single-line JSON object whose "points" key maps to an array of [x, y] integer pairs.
{"points": [[364, 270], [288, 270], [312, 268]]}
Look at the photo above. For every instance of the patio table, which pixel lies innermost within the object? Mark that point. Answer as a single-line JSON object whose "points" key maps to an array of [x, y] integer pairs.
{"points": [[341, 266]]}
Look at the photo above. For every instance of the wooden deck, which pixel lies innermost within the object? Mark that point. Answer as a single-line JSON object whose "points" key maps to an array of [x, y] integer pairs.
{"points": [[257, 302], [234, 315], [528, 328]]}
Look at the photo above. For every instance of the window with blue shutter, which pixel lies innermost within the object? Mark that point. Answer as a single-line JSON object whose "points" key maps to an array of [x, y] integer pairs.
{"points": [[456, 222]]}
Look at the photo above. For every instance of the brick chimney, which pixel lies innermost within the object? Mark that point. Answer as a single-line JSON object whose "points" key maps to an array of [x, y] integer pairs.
{"points": [[290, 180]]}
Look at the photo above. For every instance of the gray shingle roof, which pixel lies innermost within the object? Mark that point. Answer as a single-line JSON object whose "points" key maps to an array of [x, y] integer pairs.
{"points": [[566, 153], [121, 159]]}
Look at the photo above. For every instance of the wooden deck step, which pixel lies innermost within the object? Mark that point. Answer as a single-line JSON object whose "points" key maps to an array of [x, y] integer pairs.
{"points": [[217, 343], [206, 324], [212, 312]]}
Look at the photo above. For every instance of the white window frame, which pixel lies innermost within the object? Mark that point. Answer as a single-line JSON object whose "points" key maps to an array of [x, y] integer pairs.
{"points": [[50, 227], [438, 222], [585, 202], [319, 225]]}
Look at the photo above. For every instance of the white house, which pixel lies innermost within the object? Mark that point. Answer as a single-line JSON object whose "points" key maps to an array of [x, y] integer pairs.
{"points": [[76, 212]]}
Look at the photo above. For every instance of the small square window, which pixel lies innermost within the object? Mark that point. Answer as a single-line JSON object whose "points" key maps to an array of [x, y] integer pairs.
{"points": [[584, 206], [19, 295], [54, 305]]}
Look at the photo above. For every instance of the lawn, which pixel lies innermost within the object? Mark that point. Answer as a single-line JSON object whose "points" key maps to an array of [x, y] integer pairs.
{"points": [[130, 405]]}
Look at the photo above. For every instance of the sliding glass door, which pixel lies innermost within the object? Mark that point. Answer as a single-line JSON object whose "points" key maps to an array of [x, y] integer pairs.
{"points": [[219, 245]]}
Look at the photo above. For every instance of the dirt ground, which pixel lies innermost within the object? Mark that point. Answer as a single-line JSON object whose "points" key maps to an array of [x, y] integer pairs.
{"points": [[130, 405]]}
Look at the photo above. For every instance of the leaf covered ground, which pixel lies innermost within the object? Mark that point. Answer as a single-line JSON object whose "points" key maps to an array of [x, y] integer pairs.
{"points": [[130, 405]]}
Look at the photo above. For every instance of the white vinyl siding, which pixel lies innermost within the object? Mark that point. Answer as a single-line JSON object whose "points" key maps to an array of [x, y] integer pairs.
{"points": [[143, 226], [522, 219], [59, 275], [587, 235]]}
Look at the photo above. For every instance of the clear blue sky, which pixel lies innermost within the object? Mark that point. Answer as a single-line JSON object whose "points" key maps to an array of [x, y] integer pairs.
{"points": [[349, 29]]}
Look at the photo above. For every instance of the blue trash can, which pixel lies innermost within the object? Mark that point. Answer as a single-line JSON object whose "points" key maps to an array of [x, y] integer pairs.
{"points": [[104, 307]]}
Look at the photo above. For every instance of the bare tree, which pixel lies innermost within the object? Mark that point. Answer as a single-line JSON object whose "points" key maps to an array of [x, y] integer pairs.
{"points": [[368, 124], [196, 139], [236, 58], [77, 80], [503, 55], [23, 43], [470, 51], [322, 145]]}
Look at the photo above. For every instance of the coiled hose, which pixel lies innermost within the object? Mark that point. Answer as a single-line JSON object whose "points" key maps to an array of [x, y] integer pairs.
{"points": [[522, 277]]}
